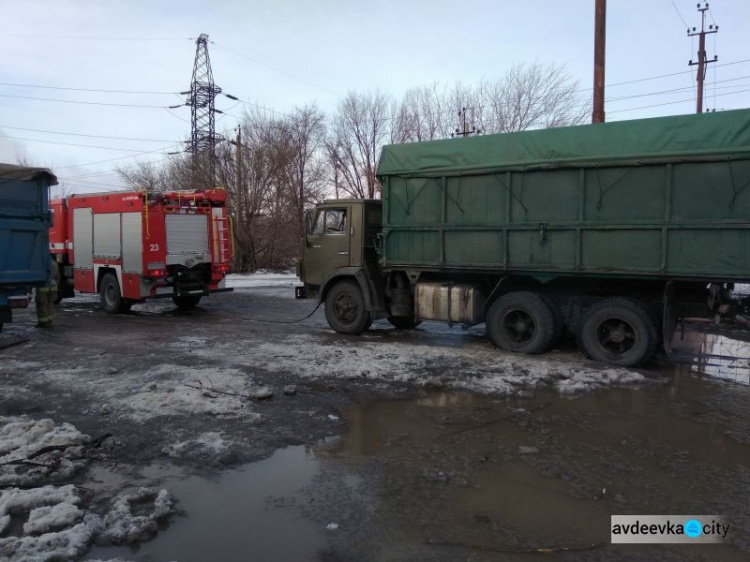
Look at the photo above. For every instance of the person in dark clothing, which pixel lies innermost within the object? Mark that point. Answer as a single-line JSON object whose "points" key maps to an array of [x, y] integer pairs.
{"points": [[46, 297]]}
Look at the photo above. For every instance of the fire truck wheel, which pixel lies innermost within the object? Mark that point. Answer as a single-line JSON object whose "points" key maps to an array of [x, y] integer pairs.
{"points": [[109, 291], [186, 303], [345, 308]]}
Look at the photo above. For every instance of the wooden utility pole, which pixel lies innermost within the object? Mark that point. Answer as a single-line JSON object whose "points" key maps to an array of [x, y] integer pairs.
{"points": [[702, 60], [600, 40], [240, 184], [239, 189], [463, 127]]}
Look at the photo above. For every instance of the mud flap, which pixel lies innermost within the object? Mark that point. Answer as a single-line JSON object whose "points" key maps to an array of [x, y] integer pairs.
{"points": [[669, 318]]}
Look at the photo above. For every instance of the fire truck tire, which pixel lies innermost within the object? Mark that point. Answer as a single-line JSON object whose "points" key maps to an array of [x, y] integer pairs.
{"points": [[110, 297], [186, 303]]}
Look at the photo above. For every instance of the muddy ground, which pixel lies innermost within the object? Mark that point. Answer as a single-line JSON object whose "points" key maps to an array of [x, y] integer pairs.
{"points": [[423, 445]]}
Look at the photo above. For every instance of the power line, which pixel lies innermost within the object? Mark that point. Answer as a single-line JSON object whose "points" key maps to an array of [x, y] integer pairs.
{"points": [[113, 159], [662, 76], [679, 14], [69, 144], [15, 85], [80, 38], [674, 102], [275, 69], [83, 135], [676, 90], [84, 102]]}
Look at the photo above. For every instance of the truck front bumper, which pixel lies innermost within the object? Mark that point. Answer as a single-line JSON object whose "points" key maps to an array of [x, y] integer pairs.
{"points": [[169, 292]]}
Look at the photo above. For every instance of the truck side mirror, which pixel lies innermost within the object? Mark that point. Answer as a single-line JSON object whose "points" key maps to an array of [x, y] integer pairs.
{"points": [[308, 222]]}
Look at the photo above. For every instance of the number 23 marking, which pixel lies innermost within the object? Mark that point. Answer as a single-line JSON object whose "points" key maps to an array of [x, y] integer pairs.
{"points": [[154, 248]]}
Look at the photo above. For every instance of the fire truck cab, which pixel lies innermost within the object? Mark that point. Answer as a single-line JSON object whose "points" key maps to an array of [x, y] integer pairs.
{"points": [[130, 246]]}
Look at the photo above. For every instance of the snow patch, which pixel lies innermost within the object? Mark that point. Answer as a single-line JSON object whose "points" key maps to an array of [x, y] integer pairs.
{"points": [[174, 397], [475, 366], [210, 442], [52, 518], [262, 278], [21, 437], [123, 526], [62, 546]]}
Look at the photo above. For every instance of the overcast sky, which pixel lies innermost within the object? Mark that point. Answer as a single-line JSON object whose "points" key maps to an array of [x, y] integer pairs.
{"points": [[284, 53]]}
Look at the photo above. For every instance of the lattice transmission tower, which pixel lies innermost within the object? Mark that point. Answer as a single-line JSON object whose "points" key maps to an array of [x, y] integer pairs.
{"points": [[201, 99]]}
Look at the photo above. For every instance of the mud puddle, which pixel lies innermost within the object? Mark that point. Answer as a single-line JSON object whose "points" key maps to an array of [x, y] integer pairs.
{"points": [[453, 476], [240, 515], [723, 355]]}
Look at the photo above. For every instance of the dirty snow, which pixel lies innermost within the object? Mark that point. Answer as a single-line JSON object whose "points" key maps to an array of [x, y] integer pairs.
{"points": [[52, 522], [172, 396], [211, 442], [52, 518], [122, 526], [21, 437], [477, 367], [262, 278]]}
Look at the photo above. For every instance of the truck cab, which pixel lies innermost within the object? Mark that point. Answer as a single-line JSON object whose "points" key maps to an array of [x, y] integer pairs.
{"points": [[340, 249]]}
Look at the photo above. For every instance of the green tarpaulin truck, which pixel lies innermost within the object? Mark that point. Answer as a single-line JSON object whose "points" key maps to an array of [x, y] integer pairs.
{"points": [[610, 231]]}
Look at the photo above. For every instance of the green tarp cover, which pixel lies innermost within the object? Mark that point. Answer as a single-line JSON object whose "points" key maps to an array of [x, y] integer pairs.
{"points": [[663, 139]]}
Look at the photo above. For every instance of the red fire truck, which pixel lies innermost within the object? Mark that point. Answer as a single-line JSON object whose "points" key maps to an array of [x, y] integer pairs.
{"points": [[131, 245]]}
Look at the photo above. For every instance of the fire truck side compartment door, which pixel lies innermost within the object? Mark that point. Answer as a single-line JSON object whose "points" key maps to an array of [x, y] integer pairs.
{"points": [[132, 243], [187, 239], [83, 238], [107, 242]]}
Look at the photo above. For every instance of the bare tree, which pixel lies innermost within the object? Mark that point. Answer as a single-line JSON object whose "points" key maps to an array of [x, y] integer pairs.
{"points": [[286, 163], [531, 96], [358, 130], [307, 131]]}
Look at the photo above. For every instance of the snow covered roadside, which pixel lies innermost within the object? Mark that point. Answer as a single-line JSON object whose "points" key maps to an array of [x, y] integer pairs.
{"points": [[42, 522], [262, 278]]}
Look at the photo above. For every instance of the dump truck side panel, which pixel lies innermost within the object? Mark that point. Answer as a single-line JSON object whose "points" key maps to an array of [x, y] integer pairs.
{"points": [[657, 215]]}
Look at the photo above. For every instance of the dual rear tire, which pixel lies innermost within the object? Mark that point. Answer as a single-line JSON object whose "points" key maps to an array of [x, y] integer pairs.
{"points": [[618, 331]]}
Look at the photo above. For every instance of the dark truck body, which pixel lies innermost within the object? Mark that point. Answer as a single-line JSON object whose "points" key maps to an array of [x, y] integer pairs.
{"points": [[24, 224], [610, 231]]}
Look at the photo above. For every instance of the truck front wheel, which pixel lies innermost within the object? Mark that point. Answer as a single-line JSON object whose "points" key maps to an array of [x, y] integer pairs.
{"points": [[619, 331], [345, 308], [110, 296], [521, 322]]}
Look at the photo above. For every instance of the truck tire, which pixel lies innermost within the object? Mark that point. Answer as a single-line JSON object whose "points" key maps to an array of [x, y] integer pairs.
{"points": [[403, 322], [186, 303], [558, 317], [110, 297], [521, 322], [619, 331], [345, 308]]}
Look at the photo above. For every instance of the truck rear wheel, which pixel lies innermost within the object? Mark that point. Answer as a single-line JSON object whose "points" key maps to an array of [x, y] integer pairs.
{"points": [[403, 322], [186, 303], [110, 296], [345, 308], [619, 331], [521, 322]]}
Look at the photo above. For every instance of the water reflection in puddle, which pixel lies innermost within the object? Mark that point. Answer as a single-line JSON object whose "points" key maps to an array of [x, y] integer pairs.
{"points": [[239, 515], [725, 356]]}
